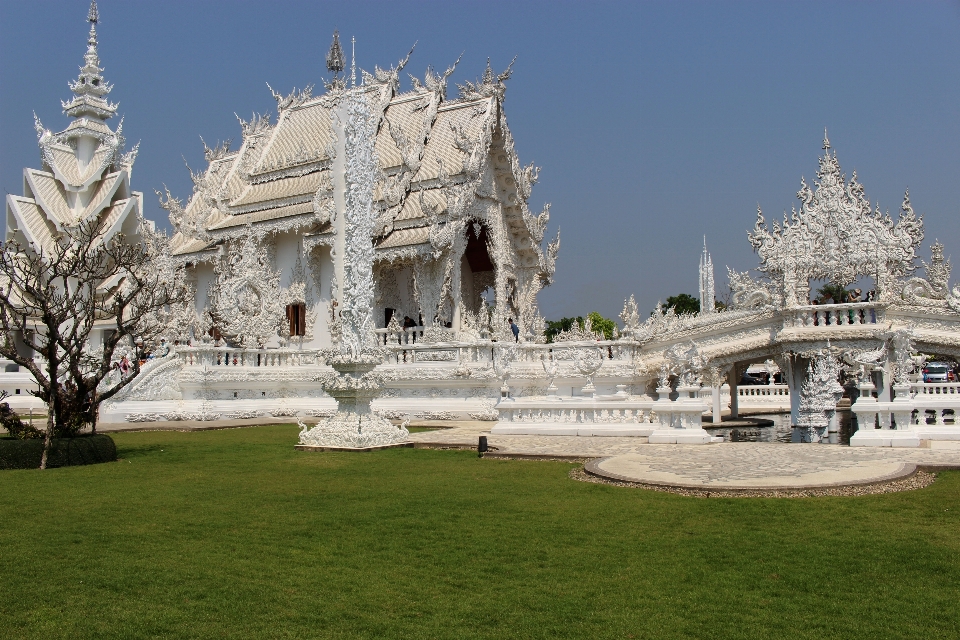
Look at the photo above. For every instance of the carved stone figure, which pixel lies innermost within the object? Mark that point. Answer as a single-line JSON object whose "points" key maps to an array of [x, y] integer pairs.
{"points": [[819, 397]]}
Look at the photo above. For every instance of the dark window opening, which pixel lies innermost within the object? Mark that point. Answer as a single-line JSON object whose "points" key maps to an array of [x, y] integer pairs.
{"points": [[477, 256], [388, 315], [297, 317]]}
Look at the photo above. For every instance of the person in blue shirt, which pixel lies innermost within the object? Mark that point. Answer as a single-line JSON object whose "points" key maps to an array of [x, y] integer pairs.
{"points": [[515, 329]]}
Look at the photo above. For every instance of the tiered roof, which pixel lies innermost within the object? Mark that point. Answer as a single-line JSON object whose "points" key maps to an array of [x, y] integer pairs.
{"points": [[85, 174], [438, 158]]}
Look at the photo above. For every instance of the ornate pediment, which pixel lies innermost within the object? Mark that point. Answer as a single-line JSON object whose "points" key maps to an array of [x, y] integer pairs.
{"points": [[836, 237]]}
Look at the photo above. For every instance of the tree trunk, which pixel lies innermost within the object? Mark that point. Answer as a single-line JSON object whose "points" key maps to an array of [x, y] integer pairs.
{"points": [[94, 413], [47, 440]]}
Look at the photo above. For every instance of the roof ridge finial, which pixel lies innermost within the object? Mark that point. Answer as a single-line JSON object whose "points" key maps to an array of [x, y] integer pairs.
{"points": [[90, 87], [353, 61], [826, 141], [335, 61]]}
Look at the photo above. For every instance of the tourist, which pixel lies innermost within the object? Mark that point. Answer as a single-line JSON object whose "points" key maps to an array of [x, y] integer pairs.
{"points": [[854, 297], [124, 366], [515, 329], [162, 350]]}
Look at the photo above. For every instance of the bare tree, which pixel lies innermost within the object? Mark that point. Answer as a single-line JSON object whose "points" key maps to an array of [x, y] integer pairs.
{"points": [[52, 298]]}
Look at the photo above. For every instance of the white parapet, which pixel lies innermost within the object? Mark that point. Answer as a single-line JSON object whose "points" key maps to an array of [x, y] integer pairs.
{"points": [[662, 421], [602, 416], [918, 413], [680, 419]]}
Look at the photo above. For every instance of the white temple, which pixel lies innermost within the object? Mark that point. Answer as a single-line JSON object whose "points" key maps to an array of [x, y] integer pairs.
{"points": [[278, 257], [262, 236]]}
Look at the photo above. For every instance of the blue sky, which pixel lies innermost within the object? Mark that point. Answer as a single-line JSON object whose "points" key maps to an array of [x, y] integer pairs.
{"points": [[655, 123]]}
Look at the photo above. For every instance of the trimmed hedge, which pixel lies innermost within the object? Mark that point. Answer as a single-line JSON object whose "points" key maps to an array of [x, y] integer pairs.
{"points": [[64, 452]]}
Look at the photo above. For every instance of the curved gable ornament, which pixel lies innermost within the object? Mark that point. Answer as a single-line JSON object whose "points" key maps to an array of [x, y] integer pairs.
{"points": [[836, 237]]}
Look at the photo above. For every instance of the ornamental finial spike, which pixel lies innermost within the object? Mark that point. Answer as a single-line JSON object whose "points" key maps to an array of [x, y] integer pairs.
{"points": [[90, 88], [826, 141], [353, 61], [335, 60]]}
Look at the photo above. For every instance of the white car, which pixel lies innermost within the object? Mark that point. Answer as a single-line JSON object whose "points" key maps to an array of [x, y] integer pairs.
{"points": [[938, 372]]}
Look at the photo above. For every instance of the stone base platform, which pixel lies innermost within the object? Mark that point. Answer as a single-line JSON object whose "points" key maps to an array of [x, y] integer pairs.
{"points": [[399, 445], [682, 436], [885, 438], [918, 436]]}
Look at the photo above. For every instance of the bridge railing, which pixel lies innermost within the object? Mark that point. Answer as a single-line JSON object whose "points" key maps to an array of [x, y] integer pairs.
{"points": [[833, 315], [401, 352], [936, 390], [212, 356]]}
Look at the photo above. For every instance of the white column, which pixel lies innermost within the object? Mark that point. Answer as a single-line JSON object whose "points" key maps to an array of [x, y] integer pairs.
{"points": [[715, 392], [734, 392]]}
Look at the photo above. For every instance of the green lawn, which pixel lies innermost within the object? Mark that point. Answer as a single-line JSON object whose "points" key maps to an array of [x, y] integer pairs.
{"points": [[234, 534]]}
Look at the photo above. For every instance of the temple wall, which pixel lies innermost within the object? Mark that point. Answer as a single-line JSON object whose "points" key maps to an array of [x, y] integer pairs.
{"points": [[203, 272], [320, 272]]}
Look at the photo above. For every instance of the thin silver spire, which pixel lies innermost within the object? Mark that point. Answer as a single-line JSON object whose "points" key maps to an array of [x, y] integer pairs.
{"points": [[353, 61]]}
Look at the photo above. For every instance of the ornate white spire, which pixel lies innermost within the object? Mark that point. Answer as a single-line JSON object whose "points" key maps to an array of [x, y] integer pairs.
{"points": [[361, 165], [707, 296], [90, 87], [353, 61]]}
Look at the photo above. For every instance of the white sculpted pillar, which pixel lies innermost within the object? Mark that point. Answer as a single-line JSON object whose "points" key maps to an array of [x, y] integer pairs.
{"points": [[355, 383]]}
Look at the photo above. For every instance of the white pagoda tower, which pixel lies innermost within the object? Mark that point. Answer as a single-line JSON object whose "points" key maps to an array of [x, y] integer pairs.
{"points": [[707, 294], [85, 174]]}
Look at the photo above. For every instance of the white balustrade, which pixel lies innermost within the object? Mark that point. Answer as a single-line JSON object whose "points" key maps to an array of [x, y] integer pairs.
{"points": [[577, 417], [919, 411], [824, 316], [405, 348], [210, 356], [937, 389]]}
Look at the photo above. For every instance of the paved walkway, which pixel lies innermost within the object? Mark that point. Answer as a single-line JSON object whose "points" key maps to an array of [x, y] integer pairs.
{"points": [[730, 465]]}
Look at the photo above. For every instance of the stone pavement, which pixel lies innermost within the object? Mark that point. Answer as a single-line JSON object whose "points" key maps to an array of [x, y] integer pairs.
{"points": [[729, 465]]}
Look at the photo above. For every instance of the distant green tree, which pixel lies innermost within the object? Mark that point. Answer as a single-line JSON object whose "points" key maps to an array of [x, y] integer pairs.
{"points": [[683, 303], [599, 323], [563, 324], [834, 292]]}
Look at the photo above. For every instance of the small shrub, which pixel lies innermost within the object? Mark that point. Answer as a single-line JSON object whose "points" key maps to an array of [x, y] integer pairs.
{"points": [[64, 452], [15, 426]]}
